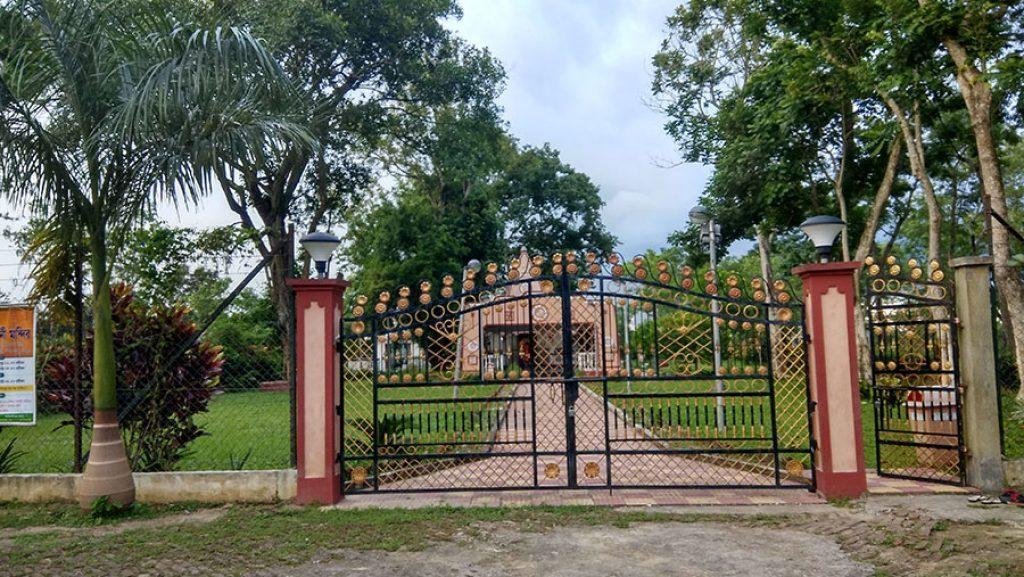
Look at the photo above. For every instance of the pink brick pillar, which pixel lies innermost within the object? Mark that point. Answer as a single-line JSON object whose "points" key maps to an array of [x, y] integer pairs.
{"points": [[829, 298], [318, 310]]}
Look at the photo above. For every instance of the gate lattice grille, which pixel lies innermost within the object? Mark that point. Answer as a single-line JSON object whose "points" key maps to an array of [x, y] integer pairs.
{"points": [[915, 381], [576, 371]]}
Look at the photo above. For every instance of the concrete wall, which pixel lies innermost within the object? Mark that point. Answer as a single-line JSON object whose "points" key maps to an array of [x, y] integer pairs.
{"points": [[198, 486], [1014, 471]]}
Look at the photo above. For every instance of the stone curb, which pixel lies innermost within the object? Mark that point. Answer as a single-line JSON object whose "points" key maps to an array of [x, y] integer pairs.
{"points": [[266, 486]]}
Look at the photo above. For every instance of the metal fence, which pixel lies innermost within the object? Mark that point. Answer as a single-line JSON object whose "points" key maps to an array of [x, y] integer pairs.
{"points": [[1011, 412], [193, 394]]}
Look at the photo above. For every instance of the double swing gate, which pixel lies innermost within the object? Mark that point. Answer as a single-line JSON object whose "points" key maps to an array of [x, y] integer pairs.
{"points": [[915, 380], [576, 371]]}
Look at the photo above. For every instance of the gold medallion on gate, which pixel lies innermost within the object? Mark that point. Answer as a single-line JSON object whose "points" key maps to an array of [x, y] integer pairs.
{"points": [[591, 470], [794, 468], [359, 476], [551, 471]]}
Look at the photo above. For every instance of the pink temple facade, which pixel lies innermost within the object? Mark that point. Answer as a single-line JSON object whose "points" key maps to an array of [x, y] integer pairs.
{"points": [[500, 337]]}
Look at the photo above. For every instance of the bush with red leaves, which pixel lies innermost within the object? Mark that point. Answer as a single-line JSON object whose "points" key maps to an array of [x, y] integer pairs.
{"points": [[166, 387]]}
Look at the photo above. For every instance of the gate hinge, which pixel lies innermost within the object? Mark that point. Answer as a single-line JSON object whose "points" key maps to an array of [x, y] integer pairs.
{"points": [[812, 406], [337, 410], [956, 321], [814, 444], [338, 458], [337, 344]]}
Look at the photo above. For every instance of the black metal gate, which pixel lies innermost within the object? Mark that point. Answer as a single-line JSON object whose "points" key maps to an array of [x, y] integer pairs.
{"points": [[915, 380], [576, 371]]}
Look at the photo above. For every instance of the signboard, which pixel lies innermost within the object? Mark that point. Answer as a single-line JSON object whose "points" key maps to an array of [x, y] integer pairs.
{"points": [[17, 365]]}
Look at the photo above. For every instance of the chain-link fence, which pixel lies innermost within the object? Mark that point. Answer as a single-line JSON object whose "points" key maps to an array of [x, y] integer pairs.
{"points": [[1011, 411], [192, 396]]}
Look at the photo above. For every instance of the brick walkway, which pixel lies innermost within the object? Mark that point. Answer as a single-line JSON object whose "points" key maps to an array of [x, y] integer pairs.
{"points": [[513, 471], [633, 497], [549, 434]]}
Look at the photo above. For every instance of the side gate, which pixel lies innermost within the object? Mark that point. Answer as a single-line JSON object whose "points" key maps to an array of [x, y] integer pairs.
{"points": [[915, 379], [576, 371]]}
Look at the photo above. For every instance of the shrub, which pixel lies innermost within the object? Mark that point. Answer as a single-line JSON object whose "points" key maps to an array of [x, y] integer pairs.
{"points": [[168, 386], [250, 342]]}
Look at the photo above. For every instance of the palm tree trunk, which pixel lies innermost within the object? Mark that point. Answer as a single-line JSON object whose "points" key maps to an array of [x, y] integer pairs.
{"points": [[107, 473]]}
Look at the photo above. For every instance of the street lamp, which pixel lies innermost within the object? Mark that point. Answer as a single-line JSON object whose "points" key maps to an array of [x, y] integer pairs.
{"points": [[710, 230], [823, 231], [320, 246]]}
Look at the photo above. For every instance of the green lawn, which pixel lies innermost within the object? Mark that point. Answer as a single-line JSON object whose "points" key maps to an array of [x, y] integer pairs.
{"points": [[1013, 429], [237, 424], [256, 424]]}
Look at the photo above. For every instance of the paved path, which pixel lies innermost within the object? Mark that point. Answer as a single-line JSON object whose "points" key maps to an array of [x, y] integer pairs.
{"points": [[546, 425]]}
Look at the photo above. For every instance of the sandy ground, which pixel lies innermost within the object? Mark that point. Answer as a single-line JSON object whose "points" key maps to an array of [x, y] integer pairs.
{"points": [[651, 550]]}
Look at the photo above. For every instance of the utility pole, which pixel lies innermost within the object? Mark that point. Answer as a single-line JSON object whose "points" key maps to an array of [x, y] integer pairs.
{"points": [[710, 230]]}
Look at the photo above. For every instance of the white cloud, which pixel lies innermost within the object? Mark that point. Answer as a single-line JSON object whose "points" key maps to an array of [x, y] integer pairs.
{"points": [[579, 75]]}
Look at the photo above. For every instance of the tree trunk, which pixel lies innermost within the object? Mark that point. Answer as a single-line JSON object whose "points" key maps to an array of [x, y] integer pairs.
{"points": [[915, 153], [764, 249], [107, 473], [977, 95], [864, 245], [840, 181]]}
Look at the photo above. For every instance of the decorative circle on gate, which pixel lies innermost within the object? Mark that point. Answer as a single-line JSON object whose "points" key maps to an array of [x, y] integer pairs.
{"points": [[794, 468], [358, 476], [591, 470], [540, 312], [551, 471]]}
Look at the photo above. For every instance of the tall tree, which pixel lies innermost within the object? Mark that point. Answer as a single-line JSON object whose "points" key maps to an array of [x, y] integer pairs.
{"points": [[975, 34], [106, 107], [369, 73], [547, 206]]}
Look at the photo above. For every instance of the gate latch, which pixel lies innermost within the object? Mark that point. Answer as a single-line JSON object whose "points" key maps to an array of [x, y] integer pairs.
{"points": [[572, 411]]}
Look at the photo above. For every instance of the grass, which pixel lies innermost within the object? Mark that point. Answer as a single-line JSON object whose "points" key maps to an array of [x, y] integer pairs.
{"points": [[1013, 428], [256, 424], [21, 515], [237, 424]]}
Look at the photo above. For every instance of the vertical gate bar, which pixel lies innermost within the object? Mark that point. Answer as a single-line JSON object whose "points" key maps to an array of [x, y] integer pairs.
{"points": [[993, 299], [604, 386], [875, 402], [341, 400], [654, 344], [569, 382], [533, 381], [376, 375], [952, 320], [479, 341], [812, 442], [766, 348]]}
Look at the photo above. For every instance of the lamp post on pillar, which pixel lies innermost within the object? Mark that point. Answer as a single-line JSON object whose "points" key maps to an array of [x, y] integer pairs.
{"points": [[829, 293], [318, 313]]}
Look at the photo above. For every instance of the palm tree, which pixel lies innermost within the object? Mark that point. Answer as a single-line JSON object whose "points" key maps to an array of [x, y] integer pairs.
{"points": [[107, 108]]}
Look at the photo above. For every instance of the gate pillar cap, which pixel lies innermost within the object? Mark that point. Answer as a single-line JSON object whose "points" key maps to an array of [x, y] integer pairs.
{"points": [[826, 267], [970, 261], [317, 283]]}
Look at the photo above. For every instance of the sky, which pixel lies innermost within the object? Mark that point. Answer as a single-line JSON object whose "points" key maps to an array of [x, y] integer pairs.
{"points": [[578, 77]]}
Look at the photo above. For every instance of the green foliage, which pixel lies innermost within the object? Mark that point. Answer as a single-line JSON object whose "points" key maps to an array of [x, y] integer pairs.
{"points": [[250, 342], [179, 264], [104, 509], [477, 196], [161, 369], [9, 456], [547, 206]]}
